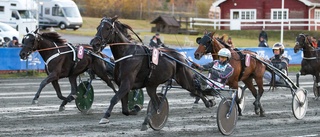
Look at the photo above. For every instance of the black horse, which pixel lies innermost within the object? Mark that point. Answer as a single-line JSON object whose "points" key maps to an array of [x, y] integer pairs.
{"points": [[133, 68], [61, 62], [310, 62]]}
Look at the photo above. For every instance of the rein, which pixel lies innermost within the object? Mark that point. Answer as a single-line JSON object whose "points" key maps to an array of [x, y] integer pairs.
{"points": [[52, 48]]}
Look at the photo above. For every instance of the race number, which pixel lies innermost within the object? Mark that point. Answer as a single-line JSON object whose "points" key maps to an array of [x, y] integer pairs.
{"points": [[80, 52]]}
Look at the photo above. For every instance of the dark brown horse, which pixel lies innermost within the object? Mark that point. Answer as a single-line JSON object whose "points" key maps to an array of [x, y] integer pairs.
{"points": [[61, 62], [209, 44], [311, 58], [132, 68]]}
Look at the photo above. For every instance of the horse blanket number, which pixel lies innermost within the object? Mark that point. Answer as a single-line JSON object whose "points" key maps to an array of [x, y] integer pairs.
{"points": [[80, 52]]}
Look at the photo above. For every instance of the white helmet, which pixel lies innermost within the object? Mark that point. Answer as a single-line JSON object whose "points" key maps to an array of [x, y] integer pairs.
{"points": [[278, 46], [224, 52]]}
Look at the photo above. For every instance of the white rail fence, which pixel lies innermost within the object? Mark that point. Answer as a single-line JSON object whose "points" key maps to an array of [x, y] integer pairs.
{"points": [[312, 24]]}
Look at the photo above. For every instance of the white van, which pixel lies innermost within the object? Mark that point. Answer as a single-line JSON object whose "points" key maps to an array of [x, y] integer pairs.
{"points": [[59, 13], [19, 14]]}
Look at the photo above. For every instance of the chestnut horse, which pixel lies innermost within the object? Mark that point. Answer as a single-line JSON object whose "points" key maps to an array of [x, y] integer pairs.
{"points": [[60, 63], [209, 44], [310, 62]]}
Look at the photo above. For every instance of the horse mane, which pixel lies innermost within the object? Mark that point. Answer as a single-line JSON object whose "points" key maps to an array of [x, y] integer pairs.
{"points": [[54, 36], [223, 40]]}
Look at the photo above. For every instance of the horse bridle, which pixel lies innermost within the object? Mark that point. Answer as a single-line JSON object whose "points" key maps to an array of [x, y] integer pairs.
{"points": [[36, 39], [104, 42], [307, 42], [207, 42]]}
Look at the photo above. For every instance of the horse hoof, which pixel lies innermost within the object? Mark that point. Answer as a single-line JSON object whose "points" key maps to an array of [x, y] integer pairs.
{"points": [[34, 102], [212, 102], [144, 127], [61, 108], [104, 121]]}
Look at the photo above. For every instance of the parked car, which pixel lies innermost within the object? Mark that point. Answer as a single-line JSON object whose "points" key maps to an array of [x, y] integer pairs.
{"points": [[7, 32]]}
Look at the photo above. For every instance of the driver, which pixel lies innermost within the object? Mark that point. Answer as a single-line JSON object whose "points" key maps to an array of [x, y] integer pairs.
{"points": [[219, 70], [278, 61]]}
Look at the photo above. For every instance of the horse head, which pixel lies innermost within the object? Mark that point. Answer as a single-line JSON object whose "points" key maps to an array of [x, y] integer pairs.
{"points": [[302, 42], [29, 44], [207, 44], [110, 30]]}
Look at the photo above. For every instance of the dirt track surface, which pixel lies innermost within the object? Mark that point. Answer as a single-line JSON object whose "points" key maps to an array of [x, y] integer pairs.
{"points": [[20, 118]]}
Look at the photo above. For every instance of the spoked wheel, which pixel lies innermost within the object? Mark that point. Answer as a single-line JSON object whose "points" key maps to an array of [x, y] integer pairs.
{"points": [[85, 96], [227, 122], [158, 119], [135, 97], [299, 103], [316, 89], [241, 99]]}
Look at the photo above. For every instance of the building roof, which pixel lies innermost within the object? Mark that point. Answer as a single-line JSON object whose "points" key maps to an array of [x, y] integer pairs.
{"points": [[171, 21], [306, 2]]}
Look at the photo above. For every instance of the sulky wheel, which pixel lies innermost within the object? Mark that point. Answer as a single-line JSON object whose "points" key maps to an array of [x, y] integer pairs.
{"points": [[299, 103], [241, 99], [135, 97], [85, 96], [315, 89], [158, 119], [227, 123]]}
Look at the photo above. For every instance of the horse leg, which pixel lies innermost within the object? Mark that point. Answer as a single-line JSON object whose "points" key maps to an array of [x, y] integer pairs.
{"points": [[72, 95], [259, 81], [155, 101], [43, 83], [123, 90], [124, 101], [256, 103]]}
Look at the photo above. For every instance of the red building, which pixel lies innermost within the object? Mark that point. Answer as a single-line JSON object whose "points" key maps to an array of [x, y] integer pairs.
{"points": [[258, 14]]}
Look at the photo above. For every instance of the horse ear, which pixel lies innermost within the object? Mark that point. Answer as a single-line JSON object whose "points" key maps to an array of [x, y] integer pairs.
{"points": [[211, 35], [205, 32], [114, 18], [198, 40], [27, 30], [36, 31]]}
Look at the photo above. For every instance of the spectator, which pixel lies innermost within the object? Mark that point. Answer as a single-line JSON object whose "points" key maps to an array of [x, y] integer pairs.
{"points": [[264, 35], [14, 42], [262, 42], [278, 61], [156, 41]]}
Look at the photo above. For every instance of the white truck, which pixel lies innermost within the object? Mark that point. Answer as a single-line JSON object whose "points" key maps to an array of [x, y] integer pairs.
{"points": [[59, 13], [19, 14]]}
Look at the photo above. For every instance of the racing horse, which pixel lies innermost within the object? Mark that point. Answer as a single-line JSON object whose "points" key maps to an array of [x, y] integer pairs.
{"points": [[133, 69], [310, 62], [60, 62], [209, 44]]}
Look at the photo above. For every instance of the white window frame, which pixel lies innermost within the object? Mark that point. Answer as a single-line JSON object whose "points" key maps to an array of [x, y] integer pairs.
{"points": [[279, 12], [243, 13], [317, 14]]}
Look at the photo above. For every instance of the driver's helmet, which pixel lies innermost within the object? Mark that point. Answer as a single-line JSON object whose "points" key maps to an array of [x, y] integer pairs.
{"points": [[224, 52], [279, 46]]}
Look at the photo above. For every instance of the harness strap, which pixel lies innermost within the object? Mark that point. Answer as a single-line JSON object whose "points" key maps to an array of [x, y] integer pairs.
{"points": [[311, 58], [60, 53], [122, 58]]}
